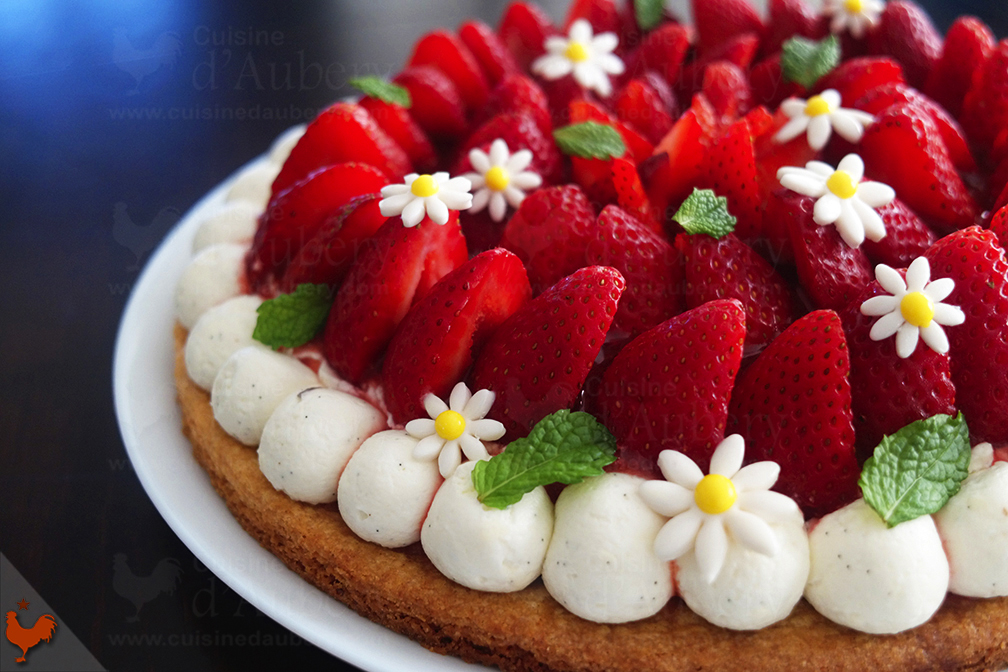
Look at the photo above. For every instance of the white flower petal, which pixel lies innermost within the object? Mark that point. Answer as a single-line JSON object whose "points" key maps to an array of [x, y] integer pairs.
{"points": [[880, 305], [890, 280], [727, 457], [473, 448], [819, 131], [420, 428], [792, 129], [874, 227], [394, 190], [948, 315], [677, 536], [772, 507], [938, 290], [513, 195], [875, 194], [610, 64], [580, 31], [906, 340], [847, 126], [458, 183], [918, 274], [752, 532], [826, 209], [604, 42], [459, 397], [853, 166], [456, 200], [436, 209], [838, 23], [498, 206], [552, 67], [555, 44], [886, 326], [756, 476], [832, 98], [480, 200], [413, 213], [849, 224], [518, 162], [486, 429], [434, 406], [428, 448], [711, 547], [820, 168], [804, 183], [498, 152], [934, 337], [449, 459], [393, 205], [862, 117], [666, 499], [480, 160], [476, 181], [677, 468], [792, 106], [479, 404]]}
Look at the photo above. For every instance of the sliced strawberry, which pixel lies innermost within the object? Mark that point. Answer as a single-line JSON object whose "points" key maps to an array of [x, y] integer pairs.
{"points": [[907, 237], [978, 348], [904, 149], [985, 107], [768, 85], [437, 105], [793, 406], [906, 33], [789, 18], [517, 93], [493, 57], [523, 29], [832, 273], [727, 268], [393, 270], [680, 159], [669, 387], [630, 194], [601, 14], [520, 131], [400, 126], [999, 226], [662, 50], [730, 170], [446, 52], [726, 86], [784, 208], [968, 43], [341, 133], [327, 256], [739, 50], [717, 21], [647, 105], [638, 146], [855, 77], [537, 361], [435, 343], [295, 216], [887, 391]]}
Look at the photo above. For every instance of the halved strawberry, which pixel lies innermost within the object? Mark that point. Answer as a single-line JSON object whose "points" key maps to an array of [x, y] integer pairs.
{"points": [[857, 76], [793, 406], [727, 88], [400, 126], [517, 93], [647, 105], [768, 85], [787, 19], [488, 50], [906, 33], [739, 50], [537, 361], [999, 226], [630, 194], [523, 29], [887, 391], [978, 348], [446, 52], [437, 104], [669, 387], [907, 236], [341, 133], [729, 168], [904, 149], [985, 107], [435, 343], [394, 269], [717, 21], [662, 50], [295, 216], [968, 44]]}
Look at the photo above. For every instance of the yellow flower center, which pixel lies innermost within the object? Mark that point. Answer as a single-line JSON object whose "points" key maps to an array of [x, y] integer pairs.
{"points": [[424, 186], [715, 494], [841, 184], [917, 309], [816, 106], [853, 6], [497, 178], [449, 425], [576, 52]]}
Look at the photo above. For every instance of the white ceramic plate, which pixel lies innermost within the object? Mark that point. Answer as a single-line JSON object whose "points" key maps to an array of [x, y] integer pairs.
{"points": [[150, 423]]}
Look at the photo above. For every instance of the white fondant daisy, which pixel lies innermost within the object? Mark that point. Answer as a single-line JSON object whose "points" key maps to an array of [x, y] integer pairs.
{"points": [[459, 424], [500, 178], [914, 308], [818, 117], [587, 56], [732, 503], [430, 195], [854, 16], [842, 198]]}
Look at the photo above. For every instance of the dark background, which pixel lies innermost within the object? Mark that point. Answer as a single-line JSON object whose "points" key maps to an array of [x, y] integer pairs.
{"points": [[115, 106]]}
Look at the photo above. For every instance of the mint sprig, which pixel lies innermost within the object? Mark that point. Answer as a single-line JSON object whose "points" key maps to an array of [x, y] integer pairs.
{"points": [[290, 320], [916, 470], [806, 61], [705, 212], [590, 140], [649, 13], [564, 447], [376, 87]]}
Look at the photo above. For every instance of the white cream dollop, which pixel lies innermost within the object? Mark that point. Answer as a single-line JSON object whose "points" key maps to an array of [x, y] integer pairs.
{"points": [[211, 278], [601, 563], [496, 550], [255, 184], [232, 222], [309, 439], [384, 493], [873, 578], [974, 526], [250, 386], [219, 333]]}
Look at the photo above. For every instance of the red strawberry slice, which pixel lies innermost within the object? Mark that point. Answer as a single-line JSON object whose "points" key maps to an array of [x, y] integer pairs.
{"points": [[856, 77], [437, 105], [537, 361], [435, 343], [523, 29], [907, 237], [727, 268], [601, 14], [887, 391], [326, 257], [520, 131], [341, 133], [985, 107], [968, 43], [394, 269], [400, 126], [493, 57], [768, 85], [740, 50], [978, 348], [789, 18], [668, 389], [717, 21], [647, 105], [906, 33], [638, 147], [517, 93], [727, 88], [630, 194], [295, 216], [662, 50], [447, 53], [904, 149], [729, 169], [999, 226], [793, 406]]}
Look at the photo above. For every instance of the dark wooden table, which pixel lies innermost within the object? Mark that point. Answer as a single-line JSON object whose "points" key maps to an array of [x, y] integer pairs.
{"points": [[113, 121]]}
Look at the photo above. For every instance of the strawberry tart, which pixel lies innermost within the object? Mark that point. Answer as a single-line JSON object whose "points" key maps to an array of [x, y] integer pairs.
{"points": [[629, 345]]}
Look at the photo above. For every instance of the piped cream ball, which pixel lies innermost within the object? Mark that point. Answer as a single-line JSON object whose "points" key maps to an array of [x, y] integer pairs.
{"points": [[211, 278], [218, 334]]}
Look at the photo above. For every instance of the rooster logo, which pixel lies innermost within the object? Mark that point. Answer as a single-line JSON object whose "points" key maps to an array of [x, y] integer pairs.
{"points": [[24, 638], [142, 63], [140, 239], [142, 589]]}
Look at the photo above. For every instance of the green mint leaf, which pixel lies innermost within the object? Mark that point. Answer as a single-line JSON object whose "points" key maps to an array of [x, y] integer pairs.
{"points": [[564, 447], [914, 471], [705, 212], [805, 61], [649, 13], [293, 319], [377, 87], [590, 140]]}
